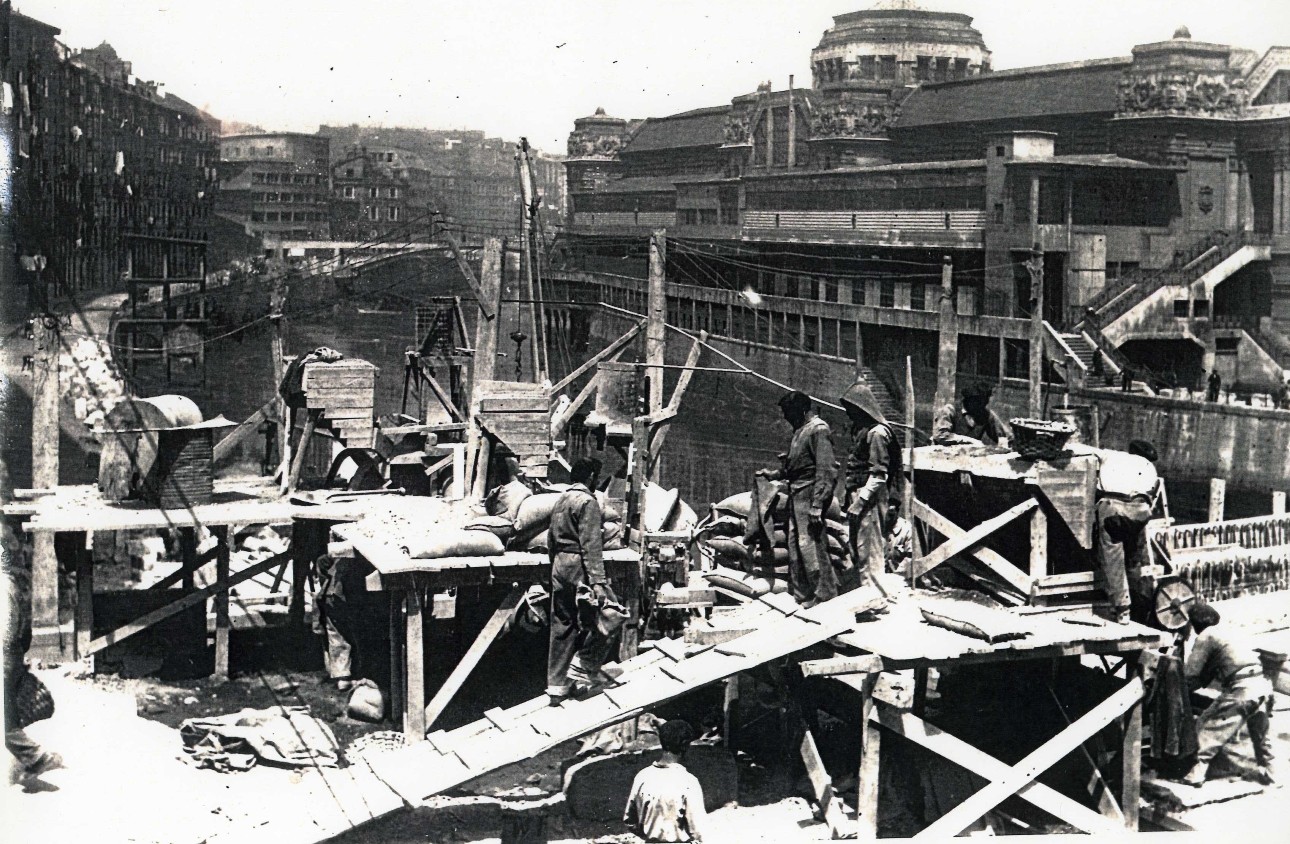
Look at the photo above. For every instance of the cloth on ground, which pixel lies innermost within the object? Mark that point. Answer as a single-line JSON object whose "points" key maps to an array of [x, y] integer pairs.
{"points": [[286, 735], [1173, 729]]}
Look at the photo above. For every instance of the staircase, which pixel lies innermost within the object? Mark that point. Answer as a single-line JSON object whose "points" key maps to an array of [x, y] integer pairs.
{"points": [[1187, 266], [890, 407], [1083, 349]]}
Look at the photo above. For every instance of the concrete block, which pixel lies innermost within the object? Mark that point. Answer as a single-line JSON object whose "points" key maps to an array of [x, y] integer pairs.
{"points": [[597, 788]]}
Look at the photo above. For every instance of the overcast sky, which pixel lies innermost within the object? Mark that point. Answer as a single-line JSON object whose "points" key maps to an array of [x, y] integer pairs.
{"points": [[528, 68]]}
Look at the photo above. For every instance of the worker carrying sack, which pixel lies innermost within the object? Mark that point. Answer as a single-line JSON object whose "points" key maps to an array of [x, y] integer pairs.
{"points": [[606, 615]]}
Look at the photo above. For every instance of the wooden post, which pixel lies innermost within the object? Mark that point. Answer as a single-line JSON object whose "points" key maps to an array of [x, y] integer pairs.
{"points": [[1036, 269], [414, 723], [729, 711], [485, 362], [1039, 548], [948, 359], [526, 261], [792, 126], [302, 447], [46, 395], [1278, 503], [656, 313], [398, 695], [277, 348], [867, 794], [84, 594], [1131, 750], [221, 533], [859, 350], [1217, 498]]}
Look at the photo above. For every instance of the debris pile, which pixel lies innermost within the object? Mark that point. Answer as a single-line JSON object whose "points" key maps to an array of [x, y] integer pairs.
{"points": [[92, 380]]}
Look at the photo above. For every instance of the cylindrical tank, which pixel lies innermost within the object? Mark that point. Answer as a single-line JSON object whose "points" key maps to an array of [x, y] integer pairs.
{"points": [[130, 440]]}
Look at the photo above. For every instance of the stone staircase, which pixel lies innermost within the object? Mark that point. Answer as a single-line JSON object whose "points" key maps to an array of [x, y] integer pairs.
{"points": [[891, 408]]}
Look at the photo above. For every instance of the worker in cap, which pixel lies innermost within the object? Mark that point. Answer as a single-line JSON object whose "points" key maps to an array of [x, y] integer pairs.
{"points": [[873, 466], [666, 801], [1244, 700], [579, 645], [973, 422], [1127, 489], [809, 472]]}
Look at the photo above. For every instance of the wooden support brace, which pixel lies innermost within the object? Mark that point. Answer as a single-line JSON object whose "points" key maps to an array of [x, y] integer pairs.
{"points": [[468, 274], [822, 786], [84, 595], [225, 447], [1041, 759], [414, 722], [682, 384], [966, 540], [442, 396], [612, 351], [145, 621], [185, 570], [562, 419], [867, 785], [914, 728], [496, 624], [302, 448], [834, 666]]}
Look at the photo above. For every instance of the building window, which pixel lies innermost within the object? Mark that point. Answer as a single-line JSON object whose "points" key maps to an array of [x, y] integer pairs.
{"points": [[923, 68], [1000, 152], [257, 178], [942, 69], [393, 193], [268, 150], [960, 68], [270, 197], [348, 191], [998, 212], [857, 291], [918, 296], [707, 216], [270, 216], [887, 67], [392, 213], [372, 192], [1200, 309], [1181, 308], [349, 172], [868, 67], [373, 213], [257, 216], [887, 293]]}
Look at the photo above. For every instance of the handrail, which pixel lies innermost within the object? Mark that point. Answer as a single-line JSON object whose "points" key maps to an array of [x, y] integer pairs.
{"points": [[1061, 342]]}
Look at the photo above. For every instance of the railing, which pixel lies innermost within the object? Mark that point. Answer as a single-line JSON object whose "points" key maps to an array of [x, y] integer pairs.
{"points": [[1229, 559], [651, 219], [870, 221]]}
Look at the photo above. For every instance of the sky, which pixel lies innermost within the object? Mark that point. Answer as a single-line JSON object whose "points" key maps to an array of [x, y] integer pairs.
{"points": [[529, 69]]}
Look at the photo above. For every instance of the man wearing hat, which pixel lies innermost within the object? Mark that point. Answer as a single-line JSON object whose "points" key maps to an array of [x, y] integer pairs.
{"points": [[1127, 487], [974, 421], [809, 473], [870, 467]]}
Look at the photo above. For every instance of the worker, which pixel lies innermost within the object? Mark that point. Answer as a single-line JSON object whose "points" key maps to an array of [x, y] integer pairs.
{"points": [[900, 539], [345, 613], [579, 589], [872, 465], [809, 473], [26, 698], [666, 800], [1215, 383], [975, 421], [1245, 698], [1127, 487]]}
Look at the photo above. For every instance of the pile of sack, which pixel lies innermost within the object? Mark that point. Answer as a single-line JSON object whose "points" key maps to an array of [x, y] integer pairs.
{"points": [[520, 518], [749, 532]]}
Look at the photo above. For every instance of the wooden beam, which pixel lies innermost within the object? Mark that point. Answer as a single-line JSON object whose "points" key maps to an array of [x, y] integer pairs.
{"points": [[496, 624], [678, 393], [185, 569], [1131, 751], [302, 448], [490, 272], [1036, 762], [966, 540], [562, 419], [867, 782], [84, 594], [414, 720], [45, 409], [480, 296], [987, 557], [225, 447], [221, 534], [822, 785], [611, 351], [656, 318], [441, 395], [914, 728], [834, 666], [145, 621]]}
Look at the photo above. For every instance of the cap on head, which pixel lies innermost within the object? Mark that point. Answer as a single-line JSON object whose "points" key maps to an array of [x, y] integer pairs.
{"points": [[675, 735], [795, 402], [1203, 616], [978, 392], [584, 470]]}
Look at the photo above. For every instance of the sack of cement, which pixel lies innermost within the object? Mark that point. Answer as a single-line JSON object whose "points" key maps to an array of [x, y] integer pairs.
{"points": [[535, 512], [501, 526], [611, 535], [683, 517], [657, 506], [506, 499], [540, 543], [723, 526], [731, 549], [366, 703], [970, 619], [738, 505], [452, 542], [744, 584]]}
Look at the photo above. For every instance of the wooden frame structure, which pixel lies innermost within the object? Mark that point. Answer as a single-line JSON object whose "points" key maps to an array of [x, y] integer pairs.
{"points": [[408, 581]]}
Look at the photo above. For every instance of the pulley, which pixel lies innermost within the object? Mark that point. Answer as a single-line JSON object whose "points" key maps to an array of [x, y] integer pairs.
{"points": [[1173, 603]]}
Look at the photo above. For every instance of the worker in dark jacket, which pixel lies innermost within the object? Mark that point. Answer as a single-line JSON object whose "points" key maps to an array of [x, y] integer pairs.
{"points": [[579, 588], [975, 421], [809, 473], [1245, 699], [867, 479]]}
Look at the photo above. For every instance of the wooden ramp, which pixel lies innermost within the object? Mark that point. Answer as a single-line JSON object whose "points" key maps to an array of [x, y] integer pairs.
{"points": [[502, 737]]}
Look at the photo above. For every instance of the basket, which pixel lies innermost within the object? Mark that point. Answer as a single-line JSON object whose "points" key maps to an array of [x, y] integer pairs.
{"points": [[366, 747], [1040, 439]]}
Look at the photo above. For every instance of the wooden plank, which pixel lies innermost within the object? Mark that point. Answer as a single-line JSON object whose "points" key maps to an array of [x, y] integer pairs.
{"points": [[1131, 753], [867, 785], [515, 404], [84, 595], [414, 722], [248, 428], [822, 785], [950, 747], [501, 616], [1037, 761], [966, 540], [221, 534], [444, 399], [987, 557], [147, 620], [302, 448], [1071, 491]]}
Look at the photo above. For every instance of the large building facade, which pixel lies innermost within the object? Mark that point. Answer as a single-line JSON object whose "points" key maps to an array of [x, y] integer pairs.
{"points": [[277, 185], [97, 161], [1157, 186]]}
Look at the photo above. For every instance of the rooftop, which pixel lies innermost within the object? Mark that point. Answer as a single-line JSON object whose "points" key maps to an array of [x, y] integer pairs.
{"points": [[698, 128]]}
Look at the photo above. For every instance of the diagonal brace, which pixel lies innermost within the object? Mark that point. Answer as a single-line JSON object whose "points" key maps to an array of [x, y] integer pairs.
{"points": [[966, 540]]}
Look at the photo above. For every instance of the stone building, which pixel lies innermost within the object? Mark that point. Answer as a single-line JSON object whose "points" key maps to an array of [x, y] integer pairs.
{"points": [[383, 193], [277, 184], [1157, 185], [97, 158]]}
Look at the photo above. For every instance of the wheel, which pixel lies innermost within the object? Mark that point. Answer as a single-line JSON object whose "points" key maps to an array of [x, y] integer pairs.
{"points": [[1173, 602]]}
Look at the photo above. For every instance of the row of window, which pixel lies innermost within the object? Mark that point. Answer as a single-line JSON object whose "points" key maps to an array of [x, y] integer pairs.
{"points": [[285, 178], [351, 192], [286, 197], [287, 216], [373, 212]]}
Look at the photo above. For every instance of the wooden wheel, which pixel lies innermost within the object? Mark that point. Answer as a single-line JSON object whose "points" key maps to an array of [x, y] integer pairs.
{"points": [[1173, 603]]}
